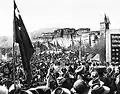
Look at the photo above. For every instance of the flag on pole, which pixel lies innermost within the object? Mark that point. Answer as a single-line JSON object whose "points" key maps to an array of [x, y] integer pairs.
{"points": [[107, 22], [58, 45], [105, 19], [22, 38]]}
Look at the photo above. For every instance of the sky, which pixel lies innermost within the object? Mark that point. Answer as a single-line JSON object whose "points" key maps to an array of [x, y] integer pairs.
{"points": [[38, 14]]}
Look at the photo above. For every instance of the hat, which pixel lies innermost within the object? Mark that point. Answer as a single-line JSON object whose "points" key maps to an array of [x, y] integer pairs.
{"points": [[43, 90], [94, 74], [79, 69], [96, 89], [110, 69], [63, 69], [61, 90], [101, 69], [79, 86], [60, 80]]}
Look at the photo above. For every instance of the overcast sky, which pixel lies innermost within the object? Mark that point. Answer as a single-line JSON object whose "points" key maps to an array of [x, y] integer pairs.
{"points": [[76, 14]]}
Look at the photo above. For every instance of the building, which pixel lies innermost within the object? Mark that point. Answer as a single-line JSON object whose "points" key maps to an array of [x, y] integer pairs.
{"points": [[113, 46], [69, 36]]}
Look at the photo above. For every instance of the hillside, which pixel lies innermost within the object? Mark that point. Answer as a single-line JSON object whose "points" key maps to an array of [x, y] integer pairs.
{"points": [[6, 41], [37, 33]]}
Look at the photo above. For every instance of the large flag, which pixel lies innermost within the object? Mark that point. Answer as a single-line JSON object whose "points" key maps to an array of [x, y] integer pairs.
{"points": [[22, 38]]}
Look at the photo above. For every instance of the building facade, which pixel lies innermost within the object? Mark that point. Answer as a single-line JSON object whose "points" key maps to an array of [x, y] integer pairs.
{"points": [[113, 46]]}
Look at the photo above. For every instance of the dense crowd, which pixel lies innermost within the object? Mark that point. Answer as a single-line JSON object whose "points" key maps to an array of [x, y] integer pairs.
{"points": [[61, 73]]}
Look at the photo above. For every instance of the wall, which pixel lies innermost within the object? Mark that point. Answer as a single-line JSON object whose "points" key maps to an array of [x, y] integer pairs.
{"points": [[108, 42]]}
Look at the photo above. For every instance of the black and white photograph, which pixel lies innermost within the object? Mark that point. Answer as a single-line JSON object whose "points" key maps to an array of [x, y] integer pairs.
{"points": [[59, 47]]}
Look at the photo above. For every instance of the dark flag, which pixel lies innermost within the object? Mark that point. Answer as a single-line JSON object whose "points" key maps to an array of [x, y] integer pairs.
{"points": [[22, 38], [53, 37], [105, 18], [58, 45], [107, 22], [61, 33]]}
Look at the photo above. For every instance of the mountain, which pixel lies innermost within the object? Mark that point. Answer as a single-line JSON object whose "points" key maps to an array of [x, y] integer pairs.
{"points": [[6, 41]]}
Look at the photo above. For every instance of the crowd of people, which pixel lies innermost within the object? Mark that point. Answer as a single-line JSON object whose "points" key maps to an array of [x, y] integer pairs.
{"points": [[61, 73]]}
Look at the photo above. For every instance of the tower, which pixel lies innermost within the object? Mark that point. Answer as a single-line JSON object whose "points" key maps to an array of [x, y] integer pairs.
{"points": [[104, 27]]}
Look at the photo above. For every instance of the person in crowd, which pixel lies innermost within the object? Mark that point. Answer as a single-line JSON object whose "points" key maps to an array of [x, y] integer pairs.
{"points": [[80, 72], [64, 73], [96, 85], [3, 90], [60, 90], [117, 81]]}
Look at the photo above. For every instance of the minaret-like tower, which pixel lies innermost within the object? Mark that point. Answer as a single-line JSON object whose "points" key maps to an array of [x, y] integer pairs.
{"points": [[104, 27]]}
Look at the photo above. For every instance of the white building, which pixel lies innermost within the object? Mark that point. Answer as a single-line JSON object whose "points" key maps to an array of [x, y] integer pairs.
{"points": [[113, 45]]}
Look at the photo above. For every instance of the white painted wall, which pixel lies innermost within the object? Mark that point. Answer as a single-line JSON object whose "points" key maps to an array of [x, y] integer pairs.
{"points": [[108, 42]]}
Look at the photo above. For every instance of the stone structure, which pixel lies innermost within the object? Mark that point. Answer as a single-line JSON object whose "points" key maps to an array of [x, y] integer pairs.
{"points": [[113, 45]]}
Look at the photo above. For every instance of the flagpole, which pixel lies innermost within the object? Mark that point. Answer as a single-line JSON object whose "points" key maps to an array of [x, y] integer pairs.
{"points": [[21, 37], [80, 49], [14, 46]]}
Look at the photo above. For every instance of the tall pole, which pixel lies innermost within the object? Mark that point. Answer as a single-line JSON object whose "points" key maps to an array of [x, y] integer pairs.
{"points": [[56, 46], [106, 28], [105, 19], [80, 49], [72, 43], [14, 45]]}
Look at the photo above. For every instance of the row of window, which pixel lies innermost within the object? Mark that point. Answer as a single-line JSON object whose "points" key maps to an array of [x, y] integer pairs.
{"points": [[115, 62], [115, 49], [115, 54], [115, 58]]}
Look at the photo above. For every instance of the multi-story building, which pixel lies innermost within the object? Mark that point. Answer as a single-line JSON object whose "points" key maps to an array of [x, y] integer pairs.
{"points": [[113, 46]]}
